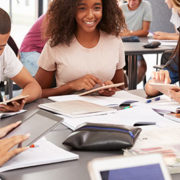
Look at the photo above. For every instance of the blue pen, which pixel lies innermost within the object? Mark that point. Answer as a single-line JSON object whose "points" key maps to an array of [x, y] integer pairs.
{"points": [[154, 99]]}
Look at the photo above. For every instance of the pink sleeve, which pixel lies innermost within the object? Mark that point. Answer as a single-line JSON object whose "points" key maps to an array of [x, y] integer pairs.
{"points": [[47, 60]]}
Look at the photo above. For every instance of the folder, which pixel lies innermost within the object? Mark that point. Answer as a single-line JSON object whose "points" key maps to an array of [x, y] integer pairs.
{"points": [[76, 108]]}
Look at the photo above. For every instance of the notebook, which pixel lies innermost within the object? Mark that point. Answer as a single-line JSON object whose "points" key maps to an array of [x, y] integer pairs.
{"points": [[149, 167], [101, 88], [76, 108], [44, 152]]}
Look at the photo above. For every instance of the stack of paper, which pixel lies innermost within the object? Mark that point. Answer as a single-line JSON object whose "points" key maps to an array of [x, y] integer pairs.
{"points": [[122, 117], [44, 152]]}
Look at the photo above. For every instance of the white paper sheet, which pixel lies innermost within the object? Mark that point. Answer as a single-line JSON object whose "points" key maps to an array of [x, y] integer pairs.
{"points": [[114, 100], [122, 117], [7, 114], [44, 153]]}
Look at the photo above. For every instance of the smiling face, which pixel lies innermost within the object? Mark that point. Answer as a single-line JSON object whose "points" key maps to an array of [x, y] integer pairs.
{"points": [[3, 41], [88, 15], [133, 4]]}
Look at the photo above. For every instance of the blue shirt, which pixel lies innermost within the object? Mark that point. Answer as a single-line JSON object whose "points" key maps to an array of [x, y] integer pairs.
{"points": [[173, 71]]}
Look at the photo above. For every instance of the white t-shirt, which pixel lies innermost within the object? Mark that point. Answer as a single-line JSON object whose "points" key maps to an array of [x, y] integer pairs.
{"points": [[74, 61], [175, 19], [10, 65], [134, 18]]}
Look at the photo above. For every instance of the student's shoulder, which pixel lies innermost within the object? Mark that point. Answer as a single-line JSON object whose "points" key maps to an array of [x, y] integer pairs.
{"points": [[145, 3], [124, 6]]}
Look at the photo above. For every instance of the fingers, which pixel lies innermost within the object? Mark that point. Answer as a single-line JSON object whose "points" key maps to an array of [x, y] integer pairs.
{"points": [[109, 91], [6, 129], [161, 76], [13, 107], [8, 143], [174, 94], [11, 154]]}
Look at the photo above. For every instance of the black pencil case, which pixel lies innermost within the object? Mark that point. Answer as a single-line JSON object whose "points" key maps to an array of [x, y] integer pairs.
{"points": [[102, 137]]}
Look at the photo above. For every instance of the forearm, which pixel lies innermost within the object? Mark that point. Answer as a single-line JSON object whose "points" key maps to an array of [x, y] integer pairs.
{"points": [[172, 36], [140, 33], [33, 90], [62, 90]]}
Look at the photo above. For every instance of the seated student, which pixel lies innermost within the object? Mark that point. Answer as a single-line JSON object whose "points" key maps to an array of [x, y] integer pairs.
{"points": [[32, 46], [171, 72], [12, 68], [6, 144], [138, 16], [84, 47], [175, 20]]}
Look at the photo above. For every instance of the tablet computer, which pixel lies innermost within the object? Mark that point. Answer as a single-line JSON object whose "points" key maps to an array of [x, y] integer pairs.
{"points": [[149, 167], [101, 88], [164, 88], [17, 98], [37, 125]]}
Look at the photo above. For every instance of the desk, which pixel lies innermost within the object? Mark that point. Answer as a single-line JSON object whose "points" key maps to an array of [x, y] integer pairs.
{"points": [[132, 49], [70, 170]]}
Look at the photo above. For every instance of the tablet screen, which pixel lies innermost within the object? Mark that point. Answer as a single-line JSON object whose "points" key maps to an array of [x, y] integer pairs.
{"points": [[37, 125], [148, 172]]}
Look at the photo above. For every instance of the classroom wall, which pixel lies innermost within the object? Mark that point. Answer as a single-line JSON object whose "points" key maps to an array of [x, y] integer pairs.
{"points": [[161, 16]]}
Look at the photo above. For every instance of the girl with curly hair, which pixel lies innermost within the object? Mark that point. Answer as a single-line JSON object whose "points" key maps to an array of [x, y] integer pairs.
{"points": [[84, 47], [171, 71]]}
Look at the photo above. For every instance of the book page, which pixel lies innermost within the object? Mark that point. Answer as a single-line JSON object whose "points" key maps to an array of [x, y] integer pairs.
{"points": [[44, 152]]}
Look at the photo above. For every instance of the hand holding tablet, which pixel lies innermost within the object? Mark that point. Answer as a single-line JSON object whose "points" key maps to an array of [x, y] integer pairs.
{"points": [[164, 88], [101, 88]]}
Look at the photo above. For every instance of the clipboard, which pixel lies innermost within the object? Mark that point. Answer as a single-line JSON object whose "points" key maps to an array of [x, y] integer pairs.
{"points": [[101, 88]]}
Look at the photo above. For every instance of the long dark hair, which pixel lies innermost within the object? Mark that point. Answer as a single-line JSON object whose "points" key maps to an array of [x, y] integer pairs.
{"points": [[61, 24]]}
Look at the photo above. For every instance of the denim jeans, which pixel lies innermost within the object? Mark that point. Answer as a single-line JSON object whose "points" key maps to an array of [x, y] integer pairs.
{"points": [[29, 60]]}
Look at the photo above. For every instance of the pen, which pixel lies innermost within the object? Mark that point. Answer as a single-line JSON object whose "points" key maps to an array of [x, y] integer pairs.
{"points": [[154, 99], [33, 146]]}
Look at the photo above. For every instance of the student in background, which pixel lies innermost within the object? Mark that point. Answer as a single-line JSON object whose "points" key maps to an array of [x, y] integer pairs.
{"points": [[84, 47], [138, 17], [175, 20], [12, 68], [171, 72], [32, 46], [6, 144]]}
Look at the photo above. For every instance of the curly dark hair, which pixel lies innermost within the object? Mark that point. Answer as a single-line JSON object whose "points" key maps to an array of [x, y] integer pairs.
{"points": [[61, 24]]}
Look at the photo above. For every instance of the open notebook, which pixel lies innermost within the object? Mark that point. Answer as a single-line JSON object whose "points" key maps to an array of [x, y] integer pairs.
{"points": [[76, 108], [44, 152]]}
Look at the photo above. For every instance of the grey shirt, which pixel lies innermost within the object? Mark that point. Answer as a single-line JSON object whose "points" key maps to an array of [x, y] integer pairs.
{"points": [[134, 18]]}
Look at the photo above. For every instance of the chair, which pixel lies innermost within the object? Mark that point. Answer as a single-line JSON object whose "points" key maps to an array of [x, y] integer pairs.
{"points": [[8, 83], [164, 59]]}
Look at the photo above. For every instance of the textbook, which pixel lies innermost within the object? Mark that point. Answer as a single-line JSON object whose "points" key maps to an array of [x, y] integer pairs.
{"points": [[76, 108], [43, 152], [101, 88]]}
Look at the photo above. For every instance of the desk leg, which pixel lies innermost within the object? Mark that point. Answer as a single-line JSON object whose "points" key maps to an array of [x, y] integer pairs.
{"points": [[132, 71]]}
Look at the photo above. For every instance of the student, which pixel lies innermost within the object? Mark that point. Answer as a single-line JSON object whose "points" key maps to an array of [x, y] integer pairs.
{"points": [[84, 47], [12, 68], [6, 144], [32, 46], [171, 72], [138, 17], [175, 20]]}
